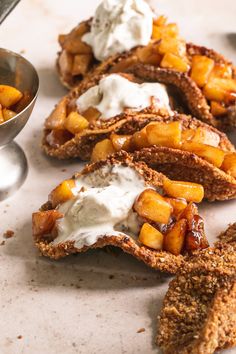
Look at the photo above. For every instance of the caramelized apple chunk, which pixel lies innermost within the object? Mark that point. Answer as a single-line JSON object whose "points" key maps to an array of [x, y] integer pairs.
{"points": [[151, 237], [91, 114], [62, 193], [139, 139], [149, 55], [211, 154], [207, 137], [172, 45], [44, 221], [81, 64], [75, 123], [229, 164], [201, 69], [160, 20], [152, 206], [195, 237], [121, 142], [223, 71], [217, 109], [192, 192], [172, 61], [8, 114], [102, 149], [177, 204], [9, 96], [164, 134], [218, 89], [165, 31], [72, 42], [175, 238], [1, 115], [188, 134], [57, 118]]}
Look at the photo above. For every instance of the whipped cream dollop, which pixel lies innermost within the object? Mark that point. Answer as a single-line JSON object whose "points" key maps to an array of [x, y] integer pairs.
{"points": [[118, 26], [115, 93], [102, 206]]}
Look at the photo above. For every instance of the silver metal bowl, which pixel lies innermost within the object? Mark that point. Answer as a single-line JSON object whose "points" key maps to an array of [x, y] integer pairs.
{"points": [[18, 72]]}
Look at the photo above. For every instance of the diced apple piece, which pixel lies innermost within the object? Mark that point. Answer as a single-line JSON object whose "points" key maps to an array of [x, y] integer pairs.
{"points": [[189, 212], [160, 20], [62, 193], [156, 32], [188, 134], [172, 61], [169, 31], [57, 118], [192, 192], [73, 43], [218, 89], [229, 164], [164, 134], [65, 62], [177, 204], [1, 115], [24, 101], [205, 136], [209, 153], [9, 96], [75, 123], [201, 69], [152, 205], [195, 238], [173, 45], [102, 149], [151, 237], [81, 64], [174, 239], [8, 114], [149, 55], [223, 71], [214, 92], [121, 142], [44, 221], [139, 139], [91, 114], [217, 109], [57, 138], [61, 39]]}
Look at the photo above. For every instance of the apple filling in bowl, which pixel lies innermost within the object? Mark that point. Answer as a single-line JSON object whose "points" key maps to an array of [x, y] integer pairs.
{"points": [[115, 200], [202, 142]]}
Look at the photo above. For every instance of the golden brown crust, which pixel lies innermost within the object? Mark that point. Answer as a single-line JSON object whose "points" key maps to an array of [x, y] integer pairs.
{"points": [[199, 310], [184, 165], [161, 260]]}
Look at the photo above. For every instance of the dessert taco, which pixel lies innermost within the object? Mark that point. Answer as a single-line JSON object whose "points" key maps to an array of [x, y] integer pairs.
{"points": [[127, 35], [120, 203]]}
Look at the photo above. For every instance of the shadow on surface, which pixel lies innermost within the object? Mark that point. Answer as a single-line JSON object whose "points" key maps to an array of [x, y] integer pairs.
{"points": [[95, 269], [50, 85], [231, 37]]}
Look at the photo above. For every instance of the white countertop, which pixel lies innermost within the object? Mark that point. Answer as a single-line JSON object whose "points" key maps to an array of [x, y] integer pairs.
{"points": [[95, 302]]}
